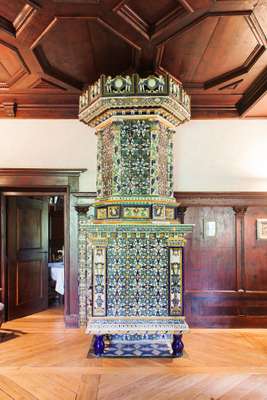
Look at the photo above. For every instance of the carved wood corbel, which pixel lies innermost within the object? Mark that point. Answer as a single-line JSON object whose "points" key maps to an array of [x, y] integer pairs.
{"points": [[181, 213], [10, 109], [82, 209]]}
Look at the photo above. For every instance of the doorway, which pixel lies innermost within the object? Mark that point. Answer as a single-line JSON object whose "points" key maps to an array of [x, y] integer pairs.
{"points": [[47, 182], [35, 238], [56, 246]]}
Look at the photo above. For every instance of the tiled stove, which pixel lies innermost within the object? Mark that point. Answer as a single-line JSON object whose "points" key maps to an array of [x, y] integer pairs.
{"points": [[134, 270]]}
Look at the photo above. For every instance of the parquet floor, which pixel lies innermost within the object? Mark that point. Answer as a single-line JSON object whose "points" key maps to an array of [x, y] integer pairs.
{"points": [[45, 361]]}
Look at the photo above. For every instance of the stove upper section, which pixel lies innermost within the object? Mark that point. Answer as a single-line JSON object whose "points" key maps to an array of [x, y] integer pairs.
{"points": [[155, 97]]}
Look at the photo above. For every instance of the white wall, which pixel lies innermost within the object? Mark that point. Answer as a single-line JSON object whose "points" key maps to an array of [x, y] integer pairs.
{"points": [[49, 144], [219, 155]]}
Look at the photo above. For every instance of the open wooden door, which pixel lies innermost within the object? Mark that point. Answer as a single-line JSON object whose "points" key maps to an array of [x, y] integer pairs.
{"points": [[27, 251]]}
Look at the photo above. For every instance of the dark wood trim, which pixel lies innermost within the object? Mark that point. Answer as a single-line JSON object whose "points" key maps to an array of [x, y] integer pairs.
{"points": [[229, 199], [40, 179], [124, 11], [3, 247], [235, 73], [181, 213], [34, 3], [254, 94], [88, 195], [41, 171], [10, 109], [7, 26], [240, 251], [196, 18], [24, 18], [23, 181], [62, 110], [82, 209]]}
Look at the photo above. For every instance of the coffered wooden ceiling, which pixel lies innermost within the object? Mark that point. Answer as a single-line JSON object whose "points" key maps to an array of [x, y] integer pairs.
{"points": [[51, 49]]}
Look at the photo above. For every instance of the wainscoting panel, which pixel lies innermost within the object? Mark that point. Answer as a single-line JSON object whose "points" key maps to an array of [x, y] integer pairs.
{"points": [[225, 262]]}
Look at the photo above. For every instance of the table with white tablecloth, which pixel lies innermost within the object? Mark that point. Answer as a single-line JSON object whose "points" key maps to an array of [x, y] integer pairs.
{"points": [[57, 274]]}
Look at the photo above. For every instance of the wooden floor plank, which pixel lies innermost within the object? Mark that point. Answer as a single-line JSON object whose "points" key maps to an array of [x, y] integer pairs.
{"points": [[5, 396], [46, 361], [88, 388], [15, 391]]}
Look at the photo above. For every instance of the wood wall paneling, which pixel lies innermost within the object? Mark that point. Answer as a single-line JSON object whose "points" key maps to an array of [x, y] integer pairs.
{"points": [[211, 259], [226, 275], [255, 252]]}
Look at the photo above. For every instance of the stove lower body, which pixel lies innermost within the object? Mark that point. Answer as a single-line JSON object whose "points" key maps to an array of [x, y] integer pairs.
{"points": [[144, 337], [137, 291]]}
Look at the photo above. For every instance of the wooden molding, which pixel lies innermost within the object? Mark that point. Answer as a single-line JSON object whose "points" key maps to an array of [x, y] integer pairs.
{"points": [[41, 171], [22, 68], [45, 78], [10, 109], [221, 199], [78, 1], [240, 211], [124, 11], [232, 85], [146, 29], [7, 26], [254, 93], [244, 69], [181, 213], [34, 3], [44, 84], [24, 18]]}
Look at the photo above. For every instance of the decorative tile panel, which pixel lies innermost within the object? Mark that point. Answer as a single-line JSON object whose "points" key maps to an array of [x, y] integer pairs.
{"points": [[136, 212], [154, 158], [175, 280], [99, 164], [159, 212], [170, 163], [135, 158], [101, 213], [170, 212], [114, 212], [137, 277], [99, 281], [85, 267], [163, 148], [107, 161]]}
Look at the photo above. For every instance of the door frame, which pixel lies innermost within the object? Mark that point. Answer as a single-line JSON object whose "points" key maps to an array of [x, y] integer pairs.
{"points": [[47, 182]]}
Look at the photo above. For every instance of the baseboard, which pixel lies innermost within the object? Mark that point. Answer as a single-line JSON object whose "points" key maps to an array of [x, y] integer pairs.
{"points": [[72, 321]]}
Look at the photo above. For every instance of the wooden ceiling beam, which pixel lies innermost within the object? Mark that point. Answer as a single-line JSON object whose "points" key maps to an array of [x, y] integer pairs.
{"points": [[179, 26], [244, 69], [53, 48], [254, 94]]}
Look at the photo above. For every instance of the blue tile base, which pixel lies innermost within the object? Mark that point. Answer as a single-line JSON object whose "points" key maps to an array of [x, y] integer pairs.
{"points": [[139, 349]]}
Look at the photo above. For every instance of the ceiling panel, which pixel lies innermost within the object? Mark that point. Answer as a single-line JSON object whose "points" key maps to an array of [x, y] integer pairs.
{"points": [[183, 53], [10, 9], [230, 45], [49, 50], [258, 110]]}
